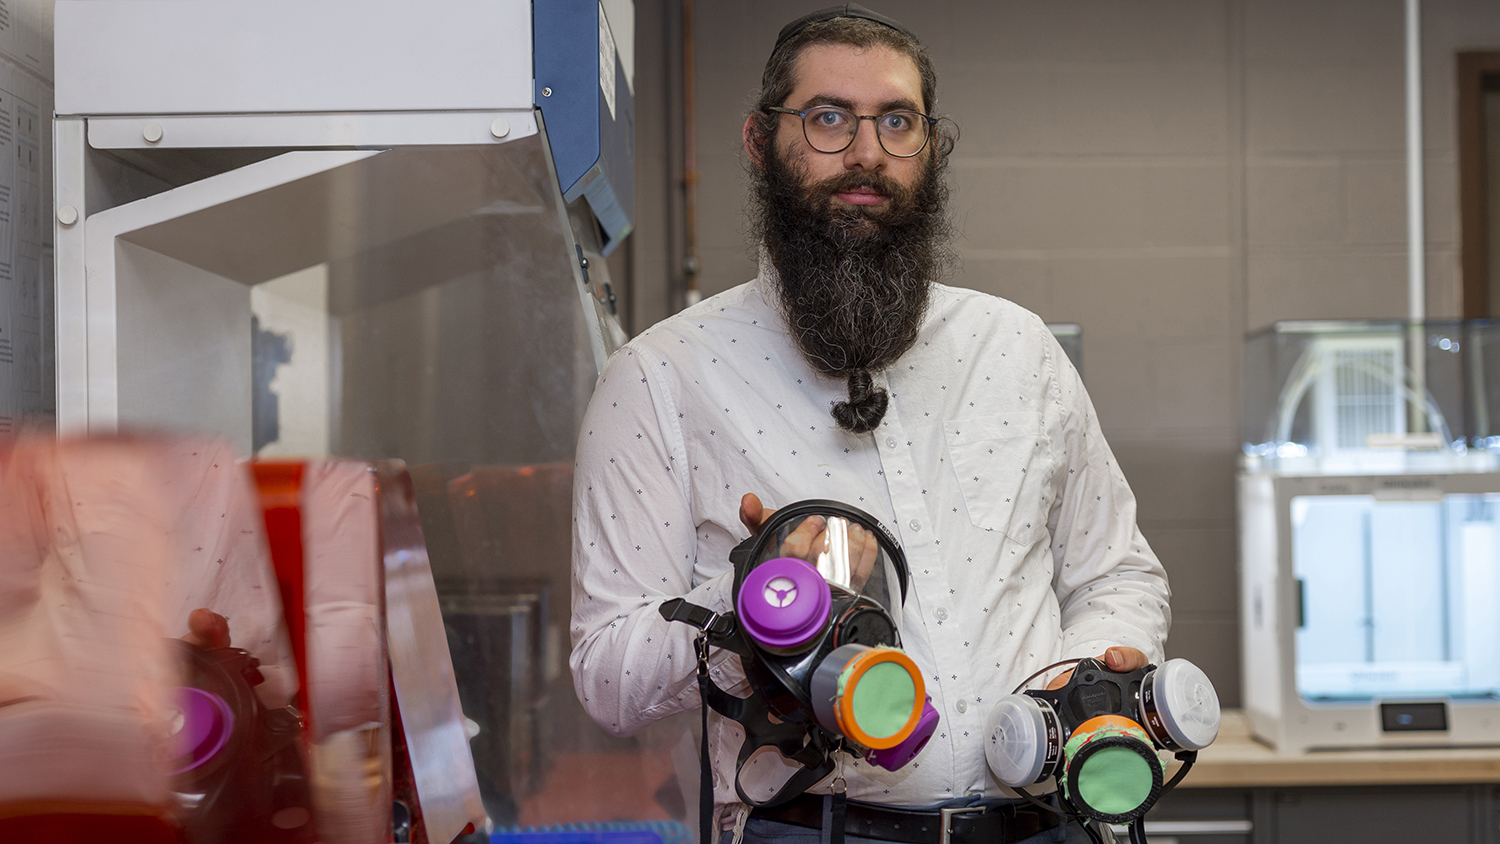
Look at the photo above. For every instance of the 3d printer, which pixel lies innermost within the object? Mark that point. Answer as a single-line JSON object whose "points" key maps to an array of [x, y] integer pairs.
{"points": [[1369, 503]]}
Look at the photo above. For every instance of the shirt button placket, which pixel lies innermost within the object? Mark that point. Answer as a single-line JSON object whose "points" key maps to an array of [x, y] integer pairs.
{"points": [[944, 639]]}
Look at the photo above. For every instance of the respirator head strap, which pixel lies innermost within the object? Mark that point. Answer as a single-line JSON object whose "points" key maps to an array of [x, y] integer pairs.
{"points": [[716, 630], [1187, 758], [790, 739], [718, 626], [739, 555], [797, 784]]}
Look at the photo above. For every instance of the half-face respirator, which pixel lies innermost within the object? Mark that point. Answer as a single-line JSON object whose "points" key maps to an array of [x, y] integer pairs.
{"points": [[1100, 734], [817, 606]]}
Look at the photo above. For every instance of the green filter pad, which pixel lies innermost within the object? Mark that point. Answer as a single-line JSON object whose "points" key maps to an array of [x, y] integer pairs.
{"points": [[1115, 780], [884, 699], [1117, 768]]}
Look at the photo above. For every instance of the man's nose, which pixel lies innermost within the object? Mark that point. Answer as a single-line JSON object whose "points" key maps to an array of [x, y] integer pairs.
{"points": [[865, 152]]}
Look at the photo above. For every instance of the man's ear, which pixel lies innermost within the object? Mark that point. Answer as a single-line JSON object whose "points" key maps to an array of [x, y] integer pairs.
{"points": [[753, 140]]}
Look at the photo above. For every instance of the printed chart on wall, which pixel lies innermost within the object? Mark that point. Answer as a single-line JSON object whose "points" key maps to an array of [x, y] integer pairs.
{"points": [[21, 178]]}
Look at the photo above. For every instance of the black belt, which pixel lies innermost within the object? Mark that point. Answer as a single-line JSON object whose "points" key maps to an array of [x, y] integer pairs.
{"points": [[956, 825]]}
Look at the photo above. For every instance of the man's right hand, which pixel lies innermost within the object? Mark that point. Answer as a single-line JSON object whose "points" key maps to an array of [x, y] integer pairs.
{"points": [[805, 543], [207, 629], [752, 514], [1119, 660]]}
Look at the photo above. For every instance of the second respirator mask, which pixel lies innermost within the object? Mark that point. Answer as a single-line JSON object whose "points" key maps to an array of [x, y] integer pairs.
{"points": [[1099, 735]]}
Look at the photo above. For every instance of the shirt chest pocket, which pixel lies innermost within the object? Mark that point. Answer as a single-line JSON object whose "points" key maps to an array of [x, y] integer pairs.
{"points": [[1004, 466]]}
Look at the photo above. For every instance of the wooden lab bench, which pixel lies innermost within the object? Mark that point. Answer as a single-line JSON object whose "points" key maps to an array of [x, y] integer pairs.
{"points": [[1243, 792]]}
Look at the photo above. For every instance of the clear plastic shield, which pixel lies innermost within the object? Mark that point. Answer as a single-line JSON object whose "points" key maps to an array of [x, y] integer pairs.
{"points": [[439, 305], [850, 554]]}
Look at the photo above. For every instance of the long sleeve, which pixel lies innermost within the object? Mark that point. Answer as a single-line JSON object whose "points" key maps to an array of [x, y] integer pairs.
{"points": [[1111, 588], [633, 548]]}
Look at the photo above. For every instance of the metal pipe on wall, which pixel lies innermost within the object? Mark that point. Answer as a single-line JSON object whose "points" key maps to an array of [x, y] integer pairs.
{"points": [[1416, 252], [690, 161]]}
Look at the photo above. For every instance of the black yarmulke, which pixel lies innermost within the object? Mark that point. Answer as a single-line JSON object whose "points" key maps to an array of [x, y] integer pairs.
{"points": [[843, 10]]}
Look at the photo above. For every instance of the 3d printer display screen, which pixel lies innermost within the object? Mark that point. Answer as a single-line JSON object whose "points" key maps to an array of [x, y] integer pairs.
{"points": [[1397, 598]]}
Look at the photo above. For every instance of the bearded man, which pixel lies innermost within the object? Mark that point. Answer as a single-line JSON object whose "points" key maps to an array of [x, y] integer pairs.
{"points": [[847, 371]]}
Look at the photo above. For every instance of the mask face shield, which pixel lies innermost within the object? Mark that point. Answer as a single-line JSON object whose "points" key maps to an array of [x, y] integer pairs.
{"points": [[848, 549]]}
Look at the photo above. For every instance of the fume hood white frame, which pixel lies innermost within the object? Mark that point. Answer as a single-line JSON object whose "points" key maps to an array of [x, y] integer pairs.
{"points": [[334, 82], [87, 398]]}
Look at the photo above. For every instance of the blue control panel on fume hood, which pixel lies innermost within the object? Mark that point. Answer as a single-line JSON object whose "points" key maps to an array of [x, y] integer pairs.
{"points": [[586, 102]]}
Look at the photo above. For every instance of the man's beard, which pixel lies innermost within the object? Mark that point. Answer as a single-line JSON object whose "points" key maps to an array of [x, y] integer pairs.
{"points": [[853, 281]]}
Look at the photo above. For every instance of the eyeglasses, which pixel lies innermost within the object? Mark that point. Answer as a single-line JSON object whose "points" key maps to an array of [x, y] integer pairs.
{"points": [[831, 129]]}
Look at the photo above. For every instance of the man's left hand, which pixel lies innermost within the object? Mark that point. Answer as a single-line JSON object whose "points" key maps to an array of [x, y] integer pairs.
{"points": [[1119, 659]]}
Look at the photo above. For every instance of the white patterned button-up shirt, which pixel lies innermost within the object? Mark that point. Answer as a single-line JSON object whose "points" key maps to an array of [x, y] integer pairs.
{"points": [[989, 467]]}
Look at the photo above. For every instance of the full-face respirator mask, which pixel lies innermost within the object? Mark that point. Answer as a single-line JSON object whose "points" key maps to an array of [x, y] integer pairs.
{"points": [[1100, 736], [236, 771], [816, 622]]}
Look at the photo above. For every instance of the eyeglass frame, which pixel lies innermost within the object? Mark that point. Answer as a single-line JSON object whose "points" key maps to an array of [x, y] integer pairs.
{"points": [[873, 118]]}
